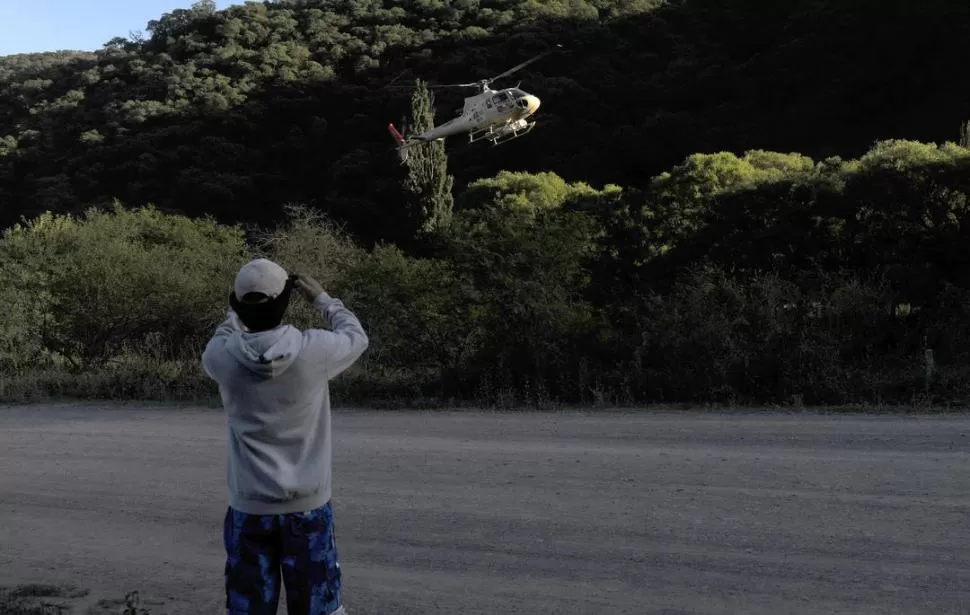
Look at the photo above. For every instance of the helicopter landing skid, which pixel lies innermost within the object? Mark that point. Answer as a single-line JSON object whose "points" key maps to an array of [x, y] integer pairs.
{"points": [[502, 134]]}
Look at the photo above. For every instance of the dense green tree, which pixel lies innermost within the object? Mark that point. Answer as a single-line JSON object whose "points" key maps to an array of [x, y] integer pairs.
{"points": [[428, 185]]}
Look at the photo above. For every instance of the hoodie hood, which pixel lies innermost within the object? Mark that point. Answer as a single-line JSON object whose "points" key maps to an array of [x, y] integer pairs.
{"points": [[267, 353]]}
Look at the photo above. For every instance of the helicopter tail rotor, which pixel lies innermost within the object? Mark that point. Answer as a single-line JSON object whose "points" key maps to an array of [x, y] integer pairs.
{"points": [[402, 143], [395, 134]]}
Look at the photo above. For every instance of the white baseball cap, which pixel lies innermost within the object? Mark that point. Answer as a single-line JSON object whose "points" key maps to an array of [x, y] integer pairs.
{"points": [[261, 276]]}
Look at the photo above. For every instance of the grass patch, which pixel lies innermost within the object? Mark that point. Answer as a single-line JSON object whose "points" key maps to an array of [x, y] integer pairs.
{"points": [[143, 379], [130, 605], [133, 378], [39, 599], [45, 599], [126, 379]]}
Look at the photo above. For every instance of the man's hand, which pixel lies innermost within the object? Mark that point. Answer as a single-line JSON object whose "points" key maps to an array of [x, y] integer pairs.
{"points": [[308, 287]]}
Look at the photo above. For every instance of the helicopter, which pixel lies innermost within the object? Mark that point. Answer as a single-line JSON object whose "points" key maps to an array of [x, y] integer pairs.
{"points": [[497, 116]]}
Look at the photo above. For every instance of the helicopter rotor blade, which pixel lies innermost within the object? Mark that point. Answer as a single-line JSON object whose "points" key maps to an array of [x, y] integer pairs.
{"points": [[524, 64], [394, 80], [435, 87], [481, 83]]}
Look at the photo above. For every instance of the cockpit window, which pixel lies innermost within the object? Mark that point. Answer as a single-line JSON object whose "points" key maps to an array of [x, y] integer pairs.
{"points": [[516, 93]]}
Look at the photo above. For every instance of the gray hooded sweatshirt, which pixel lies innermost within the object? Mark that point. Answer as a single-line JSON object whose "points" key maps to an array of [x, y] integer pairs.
{"points": [[274, 388]]}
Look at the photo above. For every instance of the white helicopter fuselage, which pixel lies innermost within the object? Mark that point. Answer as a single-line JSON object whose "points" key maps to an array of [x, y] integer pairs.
{"points": [[493, 114], [486, 109]]}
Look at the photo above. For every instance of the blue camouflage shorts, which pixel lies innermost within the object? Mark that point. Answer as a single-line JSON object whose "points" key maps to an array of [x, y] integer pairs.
{"points": [[299, 547]]}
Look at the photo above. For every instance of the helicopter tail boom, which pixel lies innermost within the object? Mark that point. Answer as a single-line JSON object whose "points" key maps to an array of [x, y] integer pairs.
{"points": [[398, 137]]}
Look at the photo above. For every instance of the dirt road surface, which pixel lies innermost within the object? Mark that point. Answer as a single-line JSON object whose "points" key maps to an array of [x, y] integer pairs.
{"points": [[467, 513]]}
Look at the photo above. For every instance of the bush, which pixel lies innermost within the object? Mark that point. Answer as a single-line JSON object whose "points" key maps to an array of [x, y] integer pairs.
{"points": [[89, 289], [310, 243], [528, 269], [715, 338], [831, 340], [422, 318]]}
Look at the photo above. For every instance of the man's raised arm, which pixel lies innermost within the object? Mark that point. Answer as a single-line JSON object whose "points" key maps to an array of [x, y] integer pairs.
{"points": [[347, 340]]}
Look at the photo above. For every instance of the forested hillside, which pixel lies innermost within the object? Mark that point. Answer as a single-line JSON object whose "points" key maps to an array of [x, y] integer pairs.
{"points": [[724, 201], [237, 112]]}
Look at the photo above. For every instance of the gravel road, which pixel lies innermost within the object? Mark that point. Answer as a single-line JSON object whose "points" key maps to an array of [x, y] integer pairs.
{"points": [[475, 512]]}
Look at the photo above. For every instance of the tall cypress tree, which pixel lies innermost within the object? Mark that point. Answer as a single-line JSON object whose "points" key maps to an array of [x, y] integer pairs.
{"points": [[427, 184]]}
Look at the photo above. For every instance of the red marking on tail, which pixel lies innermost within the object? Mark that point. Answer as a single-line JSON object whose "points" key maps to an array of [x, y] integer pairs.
{"points": [[394, 133]]}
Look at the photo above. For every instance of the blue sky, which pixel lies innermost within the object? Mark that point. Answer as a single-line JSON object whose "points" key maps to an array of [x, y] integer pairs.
{"points": [[53, 25]]}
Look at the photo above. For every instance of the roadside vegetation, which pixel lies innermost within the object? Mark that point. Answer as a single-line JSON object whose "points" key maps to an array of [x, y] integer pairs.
{"points": [[761, 278]]}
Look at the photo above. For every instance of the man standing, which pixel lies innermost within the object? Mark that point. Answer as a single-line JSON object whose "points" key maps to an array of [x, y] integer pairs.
{"points": [[273, 380]]}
